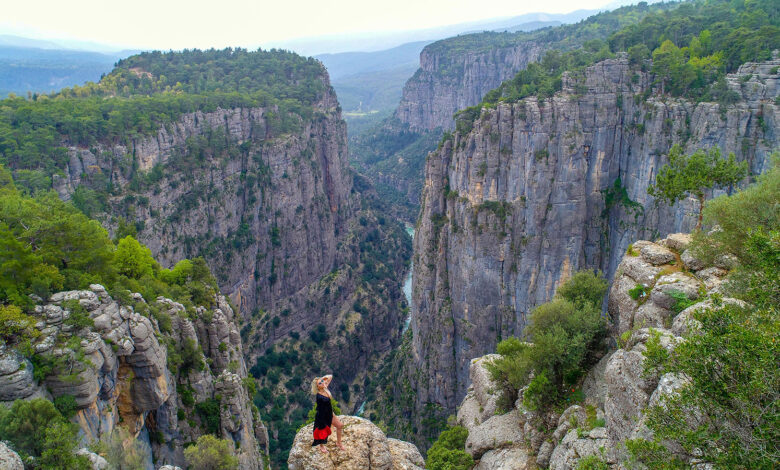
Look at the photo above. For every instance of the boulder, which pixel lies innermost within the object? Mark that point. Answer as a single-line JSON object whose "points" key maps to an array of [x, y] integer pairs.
{"points": [[677, 242], [656, 255], [684, 323], [498, 431], [513, 458], [16, 376], [98, 462], [676, 282], [405, 455], [691, 262], [366, 446], [577, 445], [9, 460]]}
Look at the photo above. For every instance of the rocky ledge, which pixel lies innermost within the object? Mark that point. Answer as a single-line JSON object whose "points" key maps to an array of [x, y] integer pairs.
{"points": [[648, 282], [120, 359], [366, 447]]}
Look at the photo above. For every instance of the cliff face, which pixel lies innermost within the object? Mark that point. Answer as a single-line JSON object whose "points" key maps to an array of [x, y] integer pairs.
{"points": [[295, 239], [125, 370], [264, 208], [542, 188], [447, 82]]}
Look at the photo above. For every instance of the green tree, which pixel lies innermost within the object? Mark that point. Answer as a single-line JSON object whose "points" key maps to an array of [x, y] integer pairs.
{"points": [[16, 326], [26, 422], [566, 332], [211, 453], [133, 259], [695, 174], [60, 441], [447, 452]]}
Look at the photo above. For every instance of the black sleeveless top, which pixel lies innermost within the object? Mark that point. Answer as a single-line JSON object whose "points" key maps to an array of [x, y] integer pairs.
{"points": [[324, 414]]}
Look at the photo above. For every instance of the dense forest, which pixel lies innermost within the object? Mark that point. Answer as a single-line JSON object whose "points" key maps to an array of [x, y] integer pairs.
{"points": [[692, 47], [150, 90]]}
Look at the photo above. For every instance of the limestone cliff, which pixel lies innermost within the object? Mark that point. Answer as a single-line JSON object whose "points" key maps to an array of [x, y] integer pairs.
{"points": [[447, 82], [617, 390], [541, 188], [126, 370]]}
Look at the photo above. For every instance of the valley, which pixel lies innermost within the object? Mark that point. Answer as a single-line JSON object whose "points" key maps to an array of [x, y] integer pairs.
{"points": [[510, 245]]}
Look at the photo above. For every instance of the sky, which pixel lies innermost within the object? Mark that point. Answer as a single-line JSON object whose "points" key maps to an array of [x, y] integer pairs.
{"points": [[177, 24]]}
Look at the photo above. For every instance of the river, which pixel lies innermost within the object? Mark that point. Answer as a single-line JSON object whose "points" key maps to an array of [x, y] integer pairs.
{"points": [[408, 284]]}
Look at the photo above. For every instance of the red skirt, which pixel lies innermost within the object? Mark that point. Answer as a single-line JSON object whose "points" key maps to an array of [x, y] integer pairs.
{"points": [[321, 435]]}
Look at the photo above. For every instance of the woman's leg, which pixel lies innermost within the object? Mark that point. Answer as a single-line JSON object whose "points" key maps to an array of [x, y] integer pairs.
{"points": [[337, 424]]}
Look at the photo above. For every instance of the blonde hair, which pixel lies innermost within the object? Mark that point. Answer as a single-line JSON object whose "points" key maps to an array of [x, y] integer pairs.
{"points": [[314, 389]]}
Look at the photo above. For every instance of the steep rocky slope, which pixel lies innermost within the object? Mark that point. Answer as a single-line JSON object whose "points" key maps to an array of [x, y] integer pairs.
{"points": [[617, 390], [125, 371], [541, 188]]}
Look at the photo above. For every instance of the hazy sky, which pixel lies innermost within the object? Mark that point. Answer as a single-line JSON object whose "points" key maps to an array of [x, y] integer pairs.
{"points": [[176, 24]]}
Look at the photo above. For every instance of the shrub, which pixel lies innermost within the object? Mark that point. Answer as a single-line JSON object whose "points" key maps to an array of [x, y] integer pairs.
{"points": [[15, 325], [592, 462], [66, 404], [567, 334], [447, 452], [26, 422], [60, 441], [638, 292], [208, 411], [211, 453]]}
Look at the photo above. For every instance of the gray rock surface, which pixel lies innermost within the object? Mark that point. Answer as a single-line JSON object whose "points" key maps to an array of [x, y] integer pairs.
{"points": [[9, 460], [498, 431], [512, 458], [366, 446], [525, 206]]}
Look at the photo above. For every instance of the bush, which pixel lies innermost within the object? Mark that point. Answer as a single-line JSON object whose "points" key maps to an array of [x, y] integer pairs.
{"points": [[15, 325], [26, 422], [208, 411], [60, 442], [567, 335], [211, 453], [66, 405], [447, 452]]}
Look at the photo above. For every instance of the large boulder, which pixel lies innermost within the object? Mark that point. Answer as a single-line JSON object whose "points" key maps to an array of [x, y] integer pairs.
{"points": [[9, 460], [577, 445], [511, 458], [366, 447], [481, 401], [498, 431]]}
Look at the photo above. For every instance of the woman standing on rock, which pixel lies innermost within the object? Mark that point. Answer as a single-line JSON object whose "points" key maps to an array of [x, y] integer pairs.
{"points": [[324, 416]]}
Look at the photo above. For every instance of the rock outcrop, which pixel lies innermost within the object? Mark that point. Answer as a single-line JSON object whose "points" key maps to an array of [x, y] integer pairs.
{"points": [[120, 372], [617, 389], [9, 460], [366, 447], [540, 189]]}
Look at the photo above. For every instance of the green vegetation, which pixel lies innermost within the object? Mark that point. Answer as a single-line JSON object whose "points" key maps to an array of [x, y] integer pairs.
{"points": [[211, 453], [592, 462], [692, 45], [567, 335], [47, 245], [145, 92], [694, 174], [726, 414], [36, 429], [447, 452]]}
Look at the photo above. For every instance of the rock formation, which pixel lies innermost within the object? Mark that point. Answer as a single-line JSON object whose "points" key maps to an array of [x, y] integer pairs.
{"points": [[617, 390], [366, 446], [539, 189], [121, 373]]}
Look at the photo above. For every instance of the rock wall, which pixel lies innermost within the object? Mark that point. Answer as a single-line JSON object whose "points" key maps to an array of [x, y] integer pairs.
{"points": [[447, 82], [616, 389], [542, 188], [121, 373]]}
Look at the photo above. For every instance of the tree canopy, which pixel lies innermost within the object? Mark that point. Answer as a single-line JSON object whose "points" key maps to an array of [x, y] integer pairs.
{"points": [[695, 174]]}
